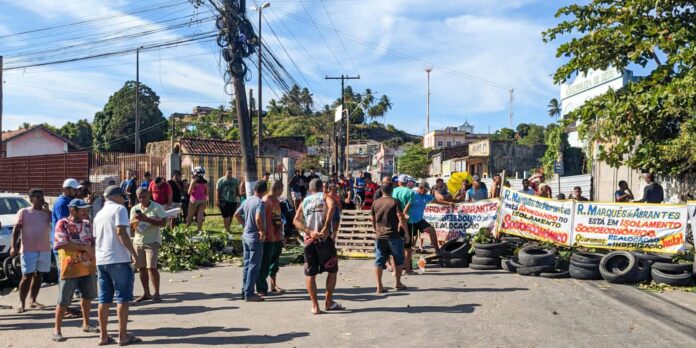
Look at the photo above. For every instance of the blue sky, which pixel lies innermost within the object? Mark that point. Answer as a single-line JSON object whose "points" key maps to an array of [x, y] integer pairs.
{"points": [[387, 42]]}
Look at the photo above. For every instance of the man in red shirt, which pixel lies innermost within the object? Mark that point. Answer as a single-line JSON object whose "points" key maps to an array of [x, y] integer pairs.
{"points": [[370, 190], [161, 193]]}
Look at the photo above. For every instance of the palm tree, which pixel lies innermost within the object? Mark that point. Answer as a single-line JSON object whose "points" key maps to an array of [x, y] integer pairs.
{"points": [[554, 108], [385, 105]]}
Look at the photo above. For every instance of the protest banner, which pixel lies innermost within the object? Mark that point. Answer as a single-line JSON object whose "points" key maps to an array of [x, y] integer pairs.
{"points": [[454, 221], [535, 217], [692, 217], [630, 226]]}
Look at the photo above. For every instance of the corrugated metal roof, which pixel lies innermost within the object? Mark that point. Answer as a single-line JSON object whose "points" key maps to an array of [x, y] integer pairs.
{"points": [[191, 146]]}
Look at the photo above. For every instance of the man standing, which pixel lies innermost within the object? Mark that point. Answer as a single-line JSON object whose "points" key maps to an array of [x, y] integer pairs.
{"points": [[129, 186], [149, 217], [33, 225], [273, 244], [251, 214], [227, 197], [387, 220], [526, 189], [114, 254], [476, 192], [75, 245], [148, 179], [369, 192], [296, 188], [577, 194], [177, 187], [440, 191], [303, 184], [61, 211], [312, 175], [623, 194], [404, 196], [652, 192], [161, 193], [497, 184], [360, 186], [314, 220], [416, 220]]}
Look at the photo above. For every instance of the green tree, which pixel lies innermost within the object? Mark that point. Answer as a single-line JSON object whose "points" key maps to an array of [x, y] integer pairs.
{"points": [[80, 133], [308, 162], [504, 134], [554, 108], [534, 135], [414, 162], [556, 140], [645, 124], [114, 126]]}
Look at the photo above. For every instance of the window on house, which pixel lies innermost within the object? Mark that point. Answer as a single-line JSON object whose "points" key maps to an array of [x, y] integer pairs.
{"points": [[360, 150], [439, 144], [449, 143], [459, 143], [391, 163]]}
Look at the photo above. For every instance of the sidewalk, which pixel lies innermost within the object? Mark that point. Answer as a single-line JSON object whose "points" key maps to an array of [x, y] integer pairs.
{"points": [[444, 307]]}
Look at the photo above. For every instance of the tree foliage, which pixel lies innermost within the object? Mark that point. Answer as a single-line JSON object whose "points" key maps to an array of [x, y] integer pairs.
{"points": [[414, 162], [503, 134], [114, 126], [533, 134], [308, 162], [79, 132], [645, 124], [556, 140]]}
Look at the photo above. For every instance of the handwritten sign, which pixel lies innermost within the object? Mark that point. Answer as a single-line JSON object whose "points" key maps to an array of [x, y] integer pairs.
{"points": [[451, 222]]}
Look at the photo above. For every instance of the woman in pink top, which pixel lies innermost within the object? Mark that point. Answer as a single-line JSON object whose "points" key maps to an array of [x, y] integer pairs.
{"points": [[198, 190]]}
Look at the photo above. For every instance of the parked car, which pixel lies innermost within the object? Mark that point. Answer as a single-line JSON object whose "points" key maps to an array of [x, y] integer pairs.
{"points": [[10, 204]]}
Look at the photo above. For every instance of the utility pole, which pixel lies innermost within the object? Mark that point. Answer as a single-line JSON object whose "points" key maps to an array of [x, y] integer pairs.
{"points": [[137, 99], [427, 110], [341, 152], [251, 105], [259, 102], [2, 153], [512, 90]]}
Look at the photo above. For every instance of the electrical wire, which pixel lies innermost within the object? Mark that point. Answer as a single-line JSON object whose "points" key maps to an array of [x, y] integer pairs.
{"points": [[340, 39], [322, 36]]}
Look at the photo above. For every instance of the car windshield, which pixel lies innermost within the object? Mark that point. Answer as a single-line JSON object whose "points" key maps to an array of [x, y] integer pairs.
{"points": [[11, 205]]}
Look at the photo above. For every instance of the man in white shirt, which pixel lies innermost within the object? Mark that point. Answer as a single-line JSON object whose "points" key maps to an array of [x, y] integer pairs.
{"points": [[114, 254]]}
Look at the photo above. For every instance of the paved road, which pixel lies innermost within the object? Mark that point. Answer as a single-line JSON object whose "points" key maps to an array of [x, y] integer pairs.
{"points": [[444, 307]]}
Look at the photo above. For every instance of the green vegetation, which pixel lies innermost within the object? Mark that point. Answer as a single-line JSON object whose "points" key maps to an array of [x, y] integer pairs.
{"points": [[415, 161], [648, 124]]}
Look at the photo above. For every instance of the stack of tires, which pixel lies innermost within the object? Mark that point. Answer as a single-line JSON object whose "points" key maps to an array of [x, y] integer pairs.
{"points": [[455, 253], [673, 274], [585, 265], [487, 256], [534, 260], [624, 267]]}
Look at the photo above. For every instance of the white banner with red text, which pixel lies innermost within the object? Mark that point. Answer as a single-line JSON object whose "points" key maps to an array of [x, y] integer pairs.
{"points": [[692, 217], [454, 221]]}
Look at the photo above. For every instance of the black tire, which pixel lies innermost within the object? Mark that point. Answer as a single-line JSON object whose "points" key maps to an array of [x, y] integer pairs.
{"points": [[556, 274], [619, 267], [681, 279], [644, 268], [652, 257], [490, 261], [590, 266], [491, 253], [483, 267], [455, 263], [534, 270], [583, 273], [455, 249], [13, 276], [532, 256], [584, 257], [500, 245], [673, 268], [507, 265]]}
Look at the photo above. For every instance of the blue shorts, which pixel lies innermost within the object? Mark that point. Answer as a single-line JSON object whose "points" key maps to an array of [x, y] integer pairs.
{"points": [[36, 261], [386, 247], [115, 281]]}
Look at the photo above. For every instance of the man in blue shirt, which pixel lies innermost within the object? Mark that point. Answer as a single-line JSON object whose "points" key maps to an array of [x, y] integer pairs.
{"points": [[129, 185], [416, 220], [251, 214], [146, 183], [360, 186]]}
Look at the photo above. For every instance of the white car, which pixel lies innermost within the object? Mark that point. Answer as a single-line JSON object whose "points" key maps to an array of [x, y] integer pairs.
{"points": [[9, 205]]}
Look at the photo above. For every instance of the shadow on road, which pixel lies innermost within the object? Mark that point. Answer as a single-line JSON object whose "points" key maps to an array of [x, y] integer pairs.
{"points": [[462, 308], [179, 310], [229, 340]]}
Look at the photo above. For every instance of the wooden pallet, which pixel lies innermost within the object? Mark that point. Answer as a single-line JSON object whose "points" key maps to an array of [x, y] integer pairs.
{"points": [[355, 237]]}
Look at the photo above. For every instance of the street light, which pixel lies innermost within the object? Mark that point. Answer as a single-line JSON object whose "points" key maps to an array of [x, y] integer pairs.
{"points": [[260, 102]]}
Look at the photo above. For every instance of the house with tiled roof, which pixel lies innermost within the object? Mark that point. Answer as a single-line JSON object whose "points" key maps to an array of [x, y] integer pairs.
{"points": [[34, 141]]}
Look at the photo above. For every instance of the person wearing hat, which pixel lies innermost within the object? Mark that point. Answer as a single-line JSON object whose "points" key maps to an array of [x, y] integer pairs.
{"points": [[416, 219], [114, 253], [404, 196], [60, 211], [477, 192], [75, 245]]}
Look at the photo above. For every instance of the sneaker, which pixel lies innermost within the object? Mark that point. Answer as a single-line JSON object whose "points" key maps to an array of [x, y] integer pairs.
{"points": [[254, 298]]}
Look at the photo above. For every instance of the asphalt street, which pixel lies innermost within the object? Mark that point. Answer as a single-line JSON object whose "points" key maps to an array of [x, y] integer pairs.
{"points": [[443, 307]]}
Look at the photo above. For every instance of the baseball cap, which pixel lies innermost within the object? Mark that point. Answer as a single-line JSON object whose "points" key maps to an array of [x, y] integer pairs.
{"points": [[412, 179], [71, 183], [423, 184], [113, 191], [477, 178], [78, 203], [403, 178]]}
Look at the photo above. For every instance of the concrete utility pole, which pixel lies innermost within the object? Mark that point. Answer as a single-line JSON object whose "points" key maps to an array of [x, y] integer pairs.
{"points": [[2, 153], [512, 90], [427, 110], [137, 99], [259, 102], [340, 150]]}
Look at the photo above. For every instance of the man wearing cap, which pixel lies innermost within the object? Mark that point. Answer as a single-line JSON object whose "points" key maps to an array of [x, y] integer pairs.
{"points": [[60, 211], [404, 196], [75, 245], [114, 254], [416, 221], [149, 217], [476, 192]]}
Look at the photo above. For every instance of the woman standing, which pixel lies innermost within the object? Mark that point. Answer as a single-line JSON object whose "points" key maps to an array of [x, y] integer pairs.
{"points": [[198, 192]]}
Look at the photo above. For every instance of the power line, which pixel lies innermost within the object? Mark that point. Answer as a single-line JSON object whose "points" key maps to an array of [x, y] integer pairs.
{"points": [[299, 43], [322, 36], [333, 25]]}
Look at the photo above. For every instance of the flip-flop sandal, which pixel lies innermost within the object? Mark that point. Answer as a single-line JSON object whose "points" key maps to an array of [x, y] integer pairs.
{"points": [[335, 306], [403, 287], [73, 315], [142, 299], [90, 329], [131, 340], [21, 310], [37, 306], [108, 341], [156, 299]]}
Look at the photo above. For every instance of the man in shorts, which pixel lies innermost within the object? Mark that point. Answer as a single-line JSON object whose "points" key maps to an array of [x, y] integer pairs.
{"points": [[404, 196], [296, 184], [387, 219], [114, 254], [273, 244], [33, 225], [148, 217], [416, 221], [74, 242], [313, 218], [227, 197]]}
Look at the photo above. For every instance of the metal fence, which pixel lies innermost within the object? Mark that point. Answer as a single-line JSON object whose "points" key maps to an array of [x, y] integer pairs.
{"points": [[113, 166], [20, 174]]}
